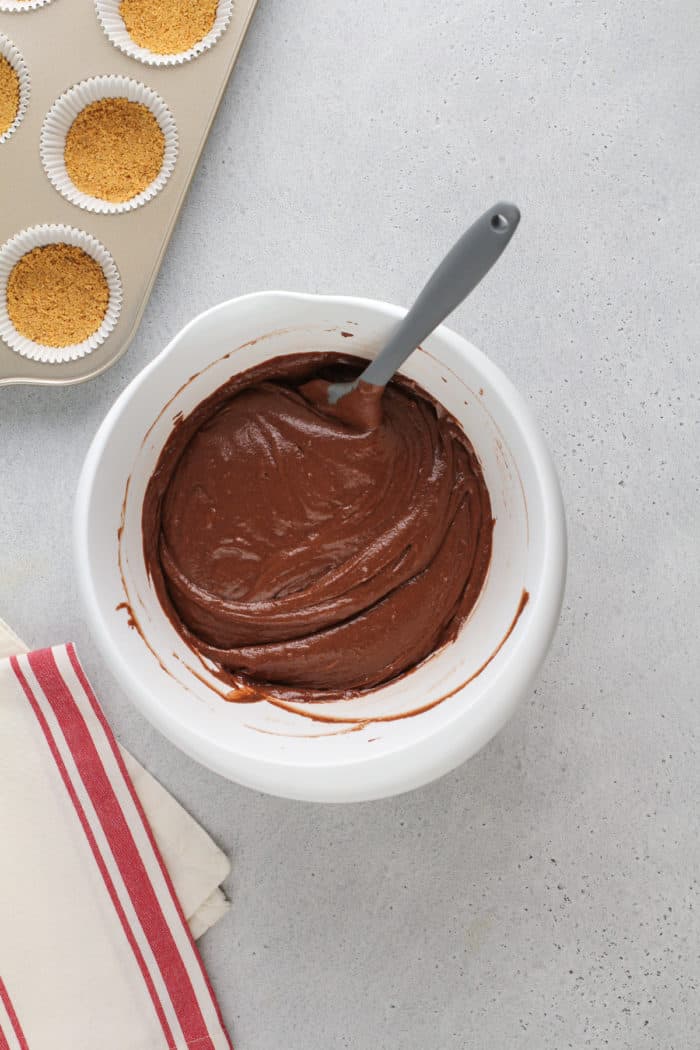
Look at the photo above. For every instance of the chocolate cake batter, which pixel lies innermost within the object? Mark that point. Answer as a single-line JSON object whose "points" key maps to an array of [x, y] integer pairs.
{"points": [[311, 555]]}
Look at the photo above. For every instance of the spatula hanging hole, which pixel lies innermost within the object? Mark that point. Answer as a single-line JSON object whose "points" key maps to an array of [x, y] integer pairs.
{"points": [[499, 222]]}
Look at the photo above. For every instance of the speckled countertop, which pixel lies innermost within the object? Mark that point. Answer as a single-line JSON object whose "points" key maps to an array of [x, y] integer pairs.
{"points": [[546, 894]]}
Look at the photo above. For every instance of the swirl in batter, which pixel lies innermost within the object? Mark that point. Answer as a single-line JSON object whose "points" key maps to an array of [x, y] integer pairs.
{"points": [[309, 556]]}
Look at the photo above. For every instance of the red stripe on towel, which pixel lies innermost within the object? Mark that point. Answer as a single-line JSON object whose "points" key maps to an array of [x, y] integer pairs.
{"points": [[126, 854], [94, 703], [95, 849], [14, 1020]]}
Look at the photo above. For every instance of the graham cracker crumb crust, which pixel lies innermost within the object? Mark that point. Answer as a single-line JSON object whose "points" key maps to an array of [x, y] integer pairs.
{"points": [[168, 27], [9, 94], [57, 295], [114, 149]]}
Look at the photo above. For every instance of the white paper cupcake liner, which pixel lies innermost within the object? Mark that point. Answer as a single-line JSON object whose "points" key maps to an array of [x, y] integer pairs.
{"points": [[37, 237], [14, 57], [60, 117], [22, 5], [113, 26]]}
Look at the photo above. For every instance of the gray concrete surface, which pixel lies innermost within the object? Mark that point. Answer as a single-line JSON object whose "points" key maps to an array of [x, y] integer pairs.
{"points": [[545, 895]]}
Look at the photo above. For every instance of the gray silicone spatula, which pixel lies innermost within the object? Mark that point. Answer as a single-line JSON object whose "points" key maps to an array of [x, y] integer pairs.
{"points": [[457, 275]]}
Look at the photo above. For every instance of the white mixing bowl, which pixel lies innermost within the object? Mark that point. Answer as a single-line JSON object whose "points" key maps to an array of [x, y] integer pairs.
{"points": [[366, 749]]}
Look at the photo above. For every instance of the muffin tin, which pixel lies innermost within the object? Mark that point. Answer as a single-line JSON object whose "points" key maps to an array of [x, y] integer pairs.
{"points": [[62, 44]]}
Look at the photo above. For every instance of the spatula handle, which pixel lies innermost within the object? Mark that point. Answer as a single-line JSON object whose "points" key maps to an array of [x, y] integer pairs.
{"points": [[460, 271]]}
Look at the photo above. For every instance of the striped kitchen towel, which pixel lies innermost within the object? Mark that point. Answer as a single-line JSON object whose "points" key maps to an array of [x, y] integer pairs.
{"points": [[95, 950]]}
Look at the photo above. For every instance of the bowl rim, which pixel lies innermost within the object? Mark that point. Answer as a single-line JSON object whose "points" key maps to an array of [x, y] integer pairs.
{"points": [[411, 764]]}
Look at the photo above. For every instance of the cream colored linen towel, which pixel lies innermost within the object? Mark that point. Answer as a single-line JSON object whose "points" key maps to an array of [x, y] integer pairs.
{"points": [[195, 863]]}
